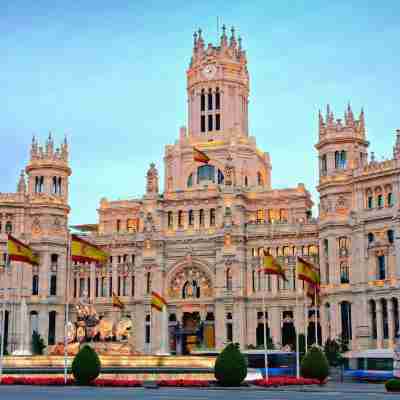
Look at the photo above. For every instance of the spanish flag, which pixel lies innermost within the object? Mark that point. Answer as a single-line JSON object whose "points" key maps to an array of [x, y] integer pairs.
{"points": [[116, 302], [83, 251], [307, 272], [18, 251], [313, 292], [157, 301], [200, 156], [271, 266]]}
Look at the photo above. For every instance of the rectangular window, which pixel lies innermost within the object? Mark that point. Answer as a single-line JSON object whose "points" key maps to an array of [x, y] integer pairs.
{"points": [[201, 217], [103, 287], [53, 285], [118, 225], [217, 122], [110, 286], [381, 268], [212, 217], [203, 123], [124, 286], [81, 287], [370, 202], [147, 334], [390, 199], [96, 287], [210, 123], [210, 100], [217, 100], [119, 286], [191, 218], [35, 285], [75, 288], [170, 219], [88, 287]]}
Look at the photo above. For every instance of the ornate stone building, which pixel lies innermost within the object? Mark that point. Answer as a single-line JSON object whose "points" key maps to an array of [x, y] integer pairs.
{"points": [[198, 243]]}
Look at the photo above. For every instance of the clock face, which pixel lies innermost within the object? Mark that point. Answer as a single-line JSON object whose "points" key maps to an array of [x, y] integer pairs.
{"points": [[209, 71]]}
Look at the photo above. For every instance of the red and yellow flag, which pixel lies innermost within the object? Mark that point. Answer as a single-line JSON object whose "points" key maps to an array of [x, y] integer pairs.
{"points": [[83, 251], [18, 251], [200, 156], [307, 272], [157, 301], [116, 302], [271, 266]]}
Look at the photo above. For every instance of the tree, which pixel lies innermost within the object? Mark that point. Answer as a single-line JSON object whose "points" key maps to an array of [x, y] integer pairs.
{"points": [[38, 344], [332, 350], [314, 364], [86, 366], [230, 366]]}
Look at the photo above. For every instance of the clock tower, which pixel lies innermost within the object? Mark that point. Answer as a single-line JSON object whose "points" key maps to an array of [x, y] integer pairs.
{"points": [[218, 87]]}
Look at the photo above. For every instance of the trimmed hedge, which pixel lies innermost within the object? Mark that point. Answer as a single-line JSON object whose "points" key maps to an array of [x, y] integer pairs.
{"points": [[393, 385], [315, 365], [86, 366], [230, 366]]}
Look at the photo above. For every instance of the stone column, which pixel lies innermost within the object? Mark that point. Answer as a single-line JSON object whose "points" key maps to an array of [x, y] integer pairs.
{"points": [[379, 324], [390, 314], [275, 328], [324, 323], [251, 314], [239, 332], [220, 329], [334, 311]]}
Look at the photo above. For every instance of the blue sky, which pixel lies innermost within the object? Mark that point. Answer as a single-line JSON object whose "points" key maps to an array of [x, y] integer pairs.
{"points": [[111, 75]]}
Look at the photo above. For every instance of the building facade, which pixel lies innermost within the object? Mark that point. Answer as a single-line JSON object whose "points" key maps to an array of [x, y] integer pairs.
{"points": [[199, 242]]}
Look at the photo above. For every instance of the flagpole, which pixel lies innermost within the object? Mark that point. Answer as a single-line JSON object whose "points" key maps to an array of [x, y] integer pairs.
{"points": [[67, 266], [3, 321], [305, 318], [315, 315], [297, 333], [265, 329]]}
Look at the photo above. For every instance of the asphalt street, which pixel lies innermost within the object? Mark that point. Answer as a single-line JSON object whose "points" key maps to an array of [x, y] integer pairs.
{"points": [[342, 392]]}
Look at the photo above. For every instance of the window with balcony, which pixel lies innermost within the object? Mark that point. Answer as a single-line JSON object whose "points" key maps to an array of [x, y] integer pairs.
{"points": [[170, 219], [381, 273], [344, 273], [380, 201]]}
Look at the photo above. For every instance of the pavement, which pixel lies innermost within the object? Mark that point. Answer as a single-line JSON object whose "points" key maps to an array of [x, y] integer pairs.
{"points": [[342, 391]]}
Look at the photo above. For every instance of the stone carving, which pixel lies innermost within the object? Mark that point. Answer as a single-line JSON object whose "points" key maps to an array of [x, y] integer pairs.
{"points": [[152, 179], [229, 171]]}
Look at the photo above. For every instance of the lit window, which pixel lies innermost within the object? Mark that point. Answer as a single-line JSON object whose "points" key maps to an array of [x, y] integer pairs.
{"points": [[344, 273]]}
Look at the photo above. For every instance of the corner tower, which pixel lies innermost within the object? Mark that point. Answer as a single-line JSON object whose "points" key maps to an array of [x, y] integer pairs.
{"points": [[218, 86]]}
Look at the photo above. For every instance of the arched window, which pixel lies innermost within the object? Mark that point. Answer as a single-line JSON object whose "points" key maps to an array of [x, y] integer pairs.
{"points": [[190, 181], [343, 159], [246, 181], [54, 186], [39, 184], [344, 273], [191, 218], [370, 237], [337, 159], [8, 227], [170, 219], [191, 289], [324, 165], [345, 308], [390, 236], [220, 177], [379, 201], [34, 319], [212, 216], [201, 217], [131, 224], [148, 282], [228, 279], [260, 180], [202, 100], [203, 123], [381, 267], [210, 123], [205, 173], [217, 122], [180, 219], [217, 99], [260, 216], [370, 199], [390, 199], [35, 284], [210, 99]]}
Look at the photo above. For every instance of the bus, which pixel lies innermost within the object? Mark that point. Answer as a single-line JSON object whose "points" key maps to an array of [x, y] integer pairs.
{"points": [[280, 363], [369, 365]]}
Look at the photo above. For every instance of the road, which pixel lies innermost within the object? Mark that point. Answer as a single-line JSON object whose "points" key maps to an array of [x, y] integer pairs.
{"points": [[342, 392]]}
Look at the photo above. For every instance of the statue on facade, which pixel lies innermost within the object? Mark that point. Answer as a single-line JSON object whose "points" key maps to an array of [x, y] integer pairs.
{"points": [[152, 180], [229, 171]]}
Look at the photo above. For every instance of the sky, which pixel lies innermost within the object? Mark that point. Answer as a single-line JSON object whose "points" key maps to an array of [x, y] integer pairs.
{"points": [[111, 76]]}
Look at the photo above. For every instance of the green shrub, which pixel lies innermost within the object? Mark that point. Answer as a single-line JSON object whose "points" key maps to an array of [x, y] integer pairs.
{"points": [[38, 344], [86, 366], [314, 364], [230, 366], [393, 385]]}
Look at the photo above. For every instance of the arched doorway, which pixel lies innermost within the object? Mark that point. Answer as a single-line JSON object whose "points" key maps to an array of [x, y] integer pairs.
{"points": [[288, 330], [190, 331], [311, 329]]}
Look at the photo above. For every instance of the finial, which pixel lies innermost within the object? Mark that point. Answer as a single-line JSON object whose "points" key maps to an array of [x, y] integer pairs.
{"points": [[372, 156], [195, 39], [233, 32], [65, 140], [240, 42], [199, 31], [223, 30], [33, 139]]}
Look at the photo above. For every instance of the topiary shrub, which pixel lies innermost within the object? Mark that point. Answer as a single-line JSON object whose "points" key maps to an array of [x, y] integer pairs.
{"points": [[38, 344], [86, 366], [230, 366], [393, 385], [315, 365]]}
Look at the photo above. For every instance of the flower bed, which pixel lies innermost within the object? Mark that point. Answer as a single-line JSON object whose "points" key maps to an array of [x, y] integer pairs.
{"points": [[285, 381], [35, 380], [183, 383]]}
